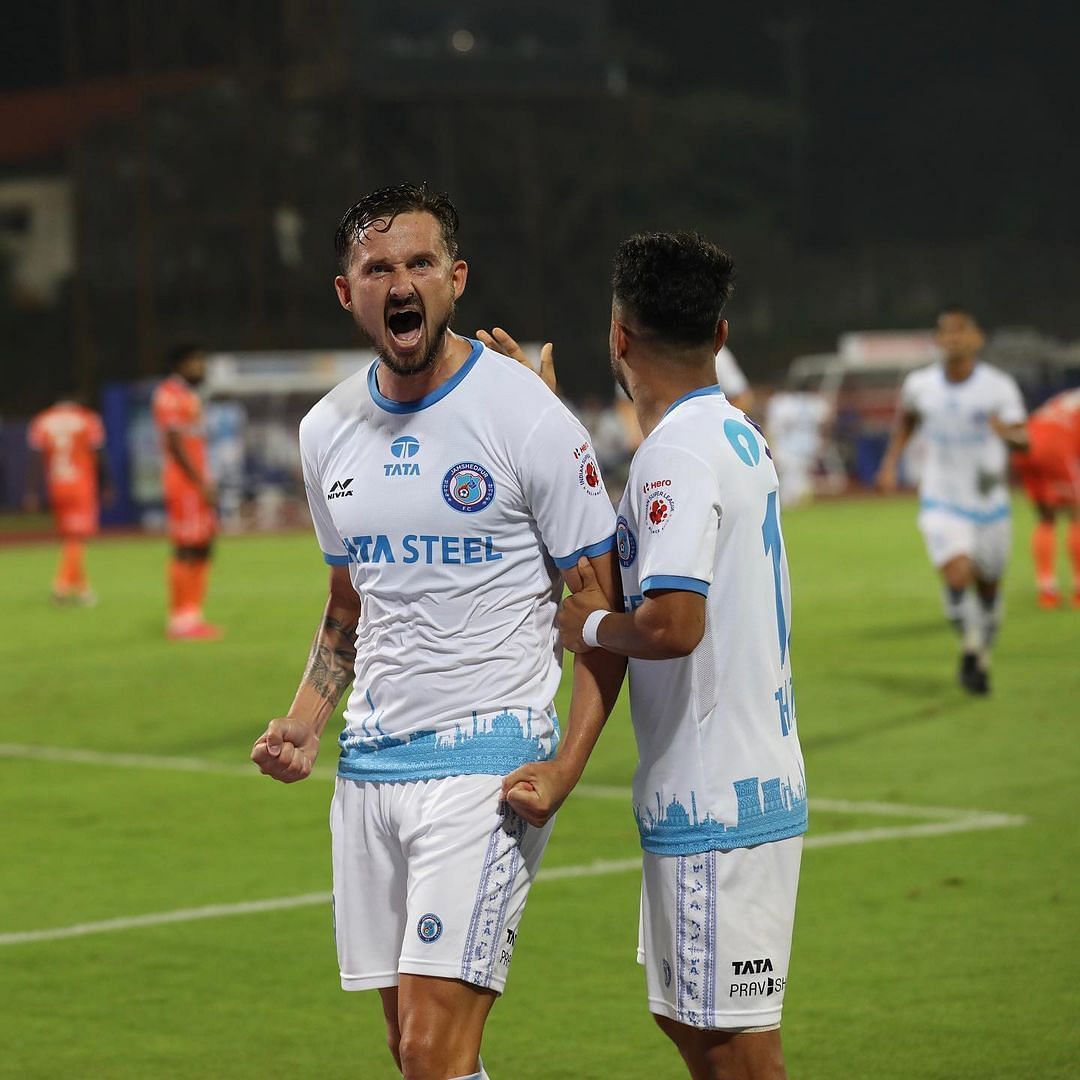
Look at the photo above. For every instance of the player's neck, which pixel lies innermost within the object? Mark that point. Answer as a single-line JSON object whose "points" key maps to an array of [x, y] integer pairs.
{"points": [[655, 391], [957, 369], [405, 388]]}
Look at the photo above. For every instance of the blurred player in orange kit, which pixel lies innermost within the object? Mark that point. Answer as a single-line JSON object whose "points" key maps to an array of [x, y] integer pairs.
{"points": [[1050, 471], [189, 492], [67, 439]]}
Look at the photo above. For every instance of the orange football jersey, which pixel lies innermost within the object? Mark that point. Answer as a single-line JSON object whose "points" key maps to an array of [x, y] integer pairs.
{"points": [[69, 436]]}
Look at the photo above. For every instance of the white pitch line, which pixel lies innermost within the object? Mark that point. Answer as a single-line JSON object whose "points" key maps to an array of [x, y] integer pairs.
{"points": [[600, 868], [73, 756]]}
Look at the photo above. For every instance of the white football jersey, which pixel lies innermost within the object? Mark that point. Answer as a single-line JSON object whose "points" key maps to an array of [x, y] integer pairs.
{"points": [[965, 468], [719, 760], [453, 514], [729, 376]]}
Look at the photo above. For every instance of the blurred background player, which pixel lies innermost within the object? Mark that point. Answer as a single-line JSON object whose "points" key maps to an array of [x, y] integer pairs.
{"points": [[730, 379], [190, 496], [66, 441], [796, 420], [1050, 471], [968, 415]]}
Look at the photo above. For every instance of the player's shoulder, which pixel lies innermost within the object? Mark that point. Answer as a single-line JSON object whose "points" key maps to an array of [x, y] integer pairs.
{"points": [[995, 376], [518, 397], [925, 376], [339, 405]]}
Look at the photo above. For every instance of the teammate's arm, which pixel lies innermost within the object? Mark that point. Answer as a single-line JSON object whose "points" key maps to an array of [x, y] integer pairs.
{"points": [[906, 424], [174, 446], [537, 790], [1015, 436], [670, 623], [287, 749]]}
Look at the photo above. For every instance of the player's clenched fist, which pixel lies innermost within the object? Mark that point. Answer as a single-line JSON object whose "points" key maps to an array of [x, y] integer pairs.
{"points": [[286, 750]]}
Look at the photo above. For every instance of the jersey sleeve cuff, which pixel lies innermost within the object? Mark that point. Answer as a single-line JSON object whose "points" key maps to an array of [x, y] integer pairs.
{"points": [[336, 560], [601, 547], [671, 581]]}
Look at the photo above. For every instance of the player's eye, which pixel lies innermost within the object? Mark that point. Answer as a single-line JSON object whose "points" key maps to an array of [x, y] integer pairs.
{"points": [[421, 264]]}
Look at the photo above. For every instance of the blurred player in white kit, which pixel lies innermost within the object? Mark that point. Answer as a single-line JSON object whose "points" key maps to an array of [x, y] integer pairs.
{"points": [[969, 415]]}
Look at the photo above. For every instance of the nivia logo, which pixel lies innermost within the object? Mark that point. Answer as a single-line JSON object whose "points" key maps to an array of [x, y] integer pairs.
{"points": [[405, 447], [340, 489]]}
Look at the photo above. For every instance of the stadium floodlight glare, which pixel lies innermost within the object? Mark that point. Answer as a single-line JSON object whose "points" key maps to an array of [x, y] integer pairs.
{"points": [[462, 41]]}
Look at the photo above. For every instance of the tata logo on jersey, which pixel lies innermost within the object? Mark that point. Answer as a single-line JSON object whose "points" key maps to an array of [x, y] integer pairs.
{"points": [[340, 489], [406, 446], [751, 967]]}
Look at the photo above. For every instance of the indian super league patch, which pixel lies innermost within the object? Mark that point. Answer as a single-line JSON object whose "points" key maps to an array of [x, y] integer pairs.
{"points": [[589, 474], [625, 543], [659, 506], [468, 487], [429, 928]]}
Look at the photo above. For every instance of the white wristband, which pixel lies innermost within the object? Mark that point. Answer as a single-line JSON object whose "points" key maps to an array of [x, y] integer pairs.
{"points": [[592, 626]]}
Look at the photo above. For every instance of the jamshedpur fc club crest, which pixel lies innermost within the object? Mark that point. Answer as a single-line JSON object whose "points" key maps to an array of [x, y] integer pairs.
{"points": [[468, 487]]}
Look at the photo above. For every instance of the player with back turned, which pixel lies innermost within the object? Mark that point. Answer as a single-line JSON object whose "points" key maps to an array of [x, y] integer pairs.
{"points": [[448, 489], [719, 791], [66, 442]]}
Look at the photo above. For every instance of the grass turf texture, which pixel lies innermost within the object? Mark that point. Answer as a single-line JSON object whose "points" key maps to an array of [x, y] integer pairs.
{"points": [[951, 956]]}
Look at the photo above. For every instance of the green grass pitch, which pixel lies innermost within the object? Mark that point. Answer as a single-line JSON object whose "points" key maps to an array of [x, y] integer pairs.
{"points": [[916, 956]]}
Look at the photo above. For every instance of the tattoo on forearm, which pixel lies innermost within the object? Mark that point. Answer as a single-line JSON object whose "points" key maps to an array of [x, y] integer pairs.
{"points": [[333, 654]]}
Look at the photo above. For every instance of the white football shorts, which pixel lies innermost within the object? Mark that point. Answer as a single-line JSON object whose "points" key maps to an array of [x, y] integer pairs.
{"points": [[715, 934], [948, 535], [430, 878]]}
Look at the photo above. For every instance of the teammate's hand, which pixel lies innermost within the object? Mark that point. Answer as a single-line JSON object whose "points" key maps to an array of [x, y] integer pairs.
{"points": [[537, 790], [208, 492], [31, 503], [586, 597], [502, 342], [286, 750]]}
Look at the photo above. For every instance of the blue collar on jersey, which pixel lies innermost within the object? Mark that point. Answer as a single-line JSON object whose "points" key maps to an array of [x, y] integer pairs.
{"points": [[701, 391], [429, 399]]}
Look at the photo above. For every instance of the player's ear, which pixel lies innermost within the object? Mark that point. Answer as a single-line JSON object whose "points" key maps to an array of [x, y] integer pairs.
{"points": [[344, 293], [620, 340], [721, 335], [459, 274]]}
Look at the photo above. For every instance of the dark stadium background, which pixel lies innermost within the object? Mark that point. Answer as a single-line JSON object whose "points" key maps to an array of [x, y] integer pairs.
{"points": [[865, 165]]}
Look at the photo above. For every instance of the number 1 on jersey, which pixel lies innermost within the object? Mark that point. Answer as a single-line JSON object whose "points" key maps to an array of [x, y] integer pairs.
{"points": [[770, 534]]}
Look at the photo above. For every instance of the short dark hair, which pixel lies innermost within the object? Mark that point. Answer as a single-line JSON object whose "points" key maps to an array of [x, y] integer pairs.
{"points": [[958, 309], [675, 284], [384, 205], [179, 353]]}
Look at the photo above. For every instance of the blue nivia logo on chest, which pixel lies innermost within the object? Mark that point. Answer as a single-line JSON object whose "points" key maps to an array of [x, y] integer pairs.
{"points": [[468, 487], [403, 448]]}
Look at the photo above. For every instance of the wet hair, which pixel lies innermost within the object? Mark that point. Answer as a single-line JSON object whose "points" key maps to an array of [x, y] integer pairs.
{"points": [[384, 205], [674, 284], [175, 357]]}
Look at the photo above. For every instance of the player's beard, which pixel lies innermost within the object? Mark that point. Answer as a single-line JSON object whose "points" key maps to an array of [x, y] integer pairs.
{"points": [[620, 377], [431, 354]]}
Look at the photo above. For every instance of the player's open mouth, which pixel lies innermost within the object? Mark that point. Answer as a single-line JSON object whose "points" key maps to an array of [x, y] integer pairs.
{"points": [[405, 328]]}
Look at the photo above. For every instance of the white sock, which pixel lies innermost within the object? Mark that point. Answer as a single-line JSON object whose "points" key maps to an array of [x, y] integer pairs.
{"points": [[971, 622], [951, 601], [481, 1075]]}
